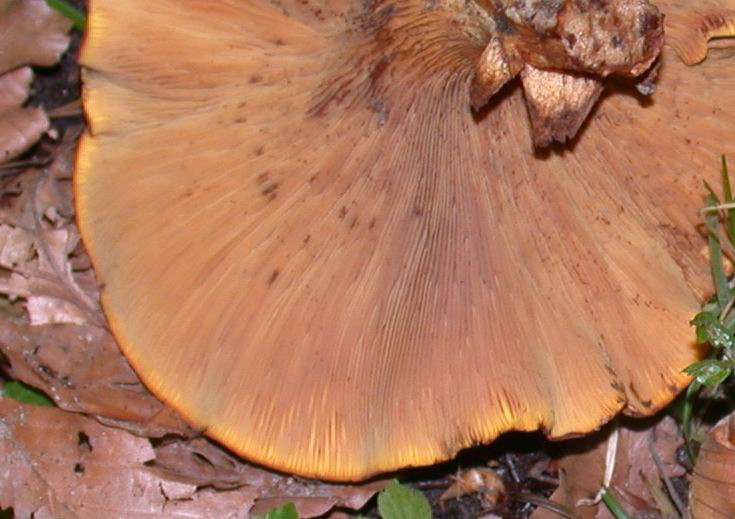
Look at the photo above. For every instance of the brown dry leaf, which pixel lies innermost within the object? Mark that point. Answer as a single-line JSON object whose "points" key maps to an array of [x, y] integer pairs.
{"points": [[581, 472], [64, 465], [20, 128], [32, 34], [80, 367], [713, 482], [200, 462]]}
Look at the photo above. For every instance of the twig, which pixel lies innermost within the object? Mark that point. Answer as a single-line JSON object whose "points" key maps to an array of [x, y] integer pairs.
{"points": [[512, 466], [673, 494], [610, 455]]}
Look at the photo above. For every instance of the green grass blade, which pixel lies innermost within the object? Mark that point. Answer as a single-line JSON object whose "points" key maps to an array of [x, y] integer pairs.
{"points": [[730, 213], [75, 15], [717, 266], [612, 504], [687, 414], [21, 392]]}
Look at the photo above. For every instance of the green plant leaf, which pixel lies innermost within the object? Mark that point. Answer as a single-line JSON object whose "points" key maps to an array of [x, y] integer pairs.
{"points": [[287, 511], [613, 505], [710, 329], [710, 372], [17, 390], [727, 191], [717, 266], [399, 502], [75, 15]]}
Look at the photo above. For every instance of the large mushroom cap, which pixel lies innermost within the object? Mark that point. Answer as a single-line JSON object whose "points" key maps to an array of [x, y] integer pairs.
{"points": [[312, 246]]}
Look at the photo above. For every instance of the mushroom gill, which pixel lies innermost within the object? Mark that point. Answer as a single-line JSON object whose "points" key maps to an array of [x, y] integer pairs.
{"points": [[323, 233]]}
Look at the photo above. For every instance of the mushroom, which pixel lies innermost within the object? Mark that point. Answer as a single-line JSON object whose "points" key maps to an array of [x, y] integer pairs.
{"points": [[323, 233]]}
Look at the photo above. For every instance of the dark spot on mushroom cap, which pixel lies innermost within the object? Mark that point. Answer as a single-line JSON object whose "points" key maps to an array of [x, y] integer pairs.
{"points": [[503, 24], [274, 275], [378, 70], [268, 187], [648, 23]]}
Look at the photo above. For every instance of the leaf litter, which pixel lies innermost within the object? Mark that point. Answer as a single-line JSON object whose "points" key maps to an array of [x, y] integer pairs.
{"points": [[111, 449]]}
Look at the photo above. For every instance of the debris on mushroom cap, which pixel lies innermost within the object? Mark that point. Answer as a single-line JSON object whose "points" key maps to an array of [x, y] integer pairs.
{"points": [[312, 245], [690, 31]]}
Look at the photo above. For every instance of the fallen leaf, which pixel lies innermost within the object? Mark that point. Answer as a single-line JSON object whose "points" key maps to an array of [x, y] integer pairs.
{"points": [[20, 128], [581, 471], [33, 34], [713, 480], [201, 462], [63, 465], [82, 370]]}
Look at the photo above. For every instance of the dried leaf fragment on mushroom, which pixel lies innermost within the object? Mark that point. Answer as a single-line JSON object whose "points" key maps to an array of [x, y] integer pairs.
{"points": [[692, 27]]}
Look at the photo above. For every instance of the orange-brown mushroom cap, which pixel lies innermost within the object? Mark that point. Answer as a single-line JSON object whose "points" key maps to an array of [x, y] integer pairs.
{"points": [[312, 246]]}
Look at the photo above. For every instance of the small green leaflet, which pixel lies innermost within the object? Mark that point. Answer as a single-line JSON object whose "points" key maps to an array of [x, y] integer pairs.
{"points": [[710, 372], [394, 502], [21, 392], [287, 511], [710, 329], [399, 502]]}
